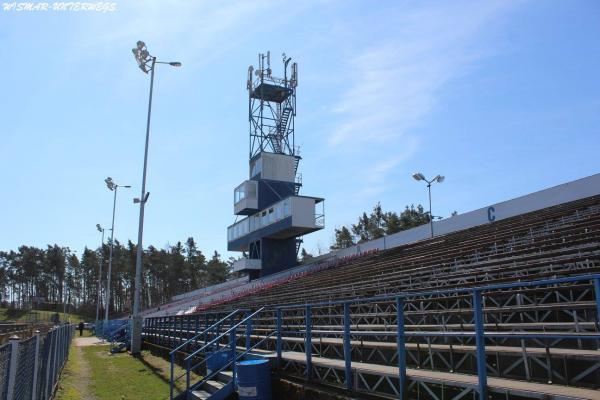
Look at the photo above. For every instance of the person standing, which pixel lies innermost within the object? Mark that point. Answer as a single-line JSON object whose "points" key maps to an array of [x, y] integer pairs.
{"points": [[81, 326]]}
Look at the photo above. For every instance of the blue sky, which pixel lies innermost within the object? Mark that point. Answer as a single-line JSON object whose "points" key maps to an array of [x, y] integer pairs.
{"points": [[501, 97]]}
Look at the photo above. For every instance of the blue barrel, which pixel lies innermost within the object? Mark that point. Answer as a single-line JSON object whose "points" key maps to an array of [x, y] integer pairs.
{"points": [[254, 379]]}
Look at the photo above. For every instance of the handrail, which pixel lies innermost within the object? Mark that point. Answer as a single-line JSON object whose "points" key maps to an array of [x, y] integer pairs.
{"points": [[224, 334], [448, 291], [235, 358], [231, 314]]}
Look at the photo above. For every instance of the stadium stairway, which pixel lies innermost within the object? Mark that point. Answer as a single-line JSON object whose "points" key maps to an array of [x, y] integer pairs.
{"points": [[506, 310]]}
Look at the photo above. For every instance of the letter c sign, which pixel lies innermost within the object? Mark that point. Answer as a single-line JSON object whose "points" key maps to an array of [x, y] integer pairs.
{"points": [[491, 214]]}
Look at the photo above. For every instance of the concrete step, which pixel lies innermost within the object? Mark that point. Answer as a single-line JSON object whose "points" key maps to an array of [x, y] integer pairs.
{"points": [[225, 376], [201, 394], [212, 386]]}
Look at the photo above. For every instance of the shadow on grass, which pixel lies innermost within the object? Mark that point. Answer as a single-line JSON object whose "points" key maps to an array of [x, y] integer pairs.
{"points": [[156, 370], [164, 372]]}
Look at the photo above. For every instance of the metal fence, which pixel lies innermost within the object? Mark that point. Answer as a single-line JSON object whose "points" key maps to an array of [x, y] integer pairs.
{"points": [[29, 369]]}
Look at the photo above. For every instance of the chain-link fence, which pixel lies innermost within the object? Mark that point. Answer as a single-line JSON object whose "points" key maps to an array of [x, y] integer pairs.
{"points": [[29, 369]]}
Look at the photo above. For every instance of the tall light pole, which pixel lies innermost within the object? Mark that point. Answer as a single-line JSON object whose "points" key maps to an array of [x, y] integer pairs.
{"points": [[113, 187], [439, 179], [146, 63], [101, 230]]}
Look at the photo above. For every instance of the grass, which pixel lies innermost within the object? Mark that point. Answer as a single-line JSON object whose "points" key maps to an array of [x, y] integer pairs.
{"points": [[93, 373], [16, 315]]}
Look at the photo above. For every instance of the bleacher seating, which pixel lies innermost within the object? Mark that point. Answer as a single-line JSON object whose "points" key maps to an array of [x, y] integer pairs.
{"points": [[535, 344]]}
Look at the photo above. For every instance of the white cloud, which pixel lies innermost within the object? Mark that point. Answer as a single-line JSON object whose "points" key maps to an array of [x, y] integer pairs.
{"points": [[397, 82]]}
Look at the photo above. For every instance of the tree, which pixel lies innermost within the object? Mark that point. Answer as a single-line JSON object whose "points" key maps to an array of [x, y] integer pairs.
{"points": [[217, 269], [343, 239], [379, 224], [305, 255]]}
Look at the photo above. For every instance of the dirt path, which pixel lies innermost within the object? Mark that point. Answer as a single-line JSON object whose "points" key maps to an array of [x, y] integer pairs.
{"points": [[87, 341], [77, 374], [84, 375]]}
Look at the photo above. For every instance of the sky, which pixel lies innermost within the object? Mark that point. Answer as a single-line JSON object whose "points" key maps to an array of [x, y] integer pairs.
{"points": [[500, 97]]}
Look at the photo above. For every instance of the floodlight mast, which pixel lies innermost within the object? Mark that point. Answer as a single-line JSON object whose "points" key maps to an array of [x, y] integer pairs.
{"points": [[113, 187], [146, 63], [99, 300], [439, 179]]}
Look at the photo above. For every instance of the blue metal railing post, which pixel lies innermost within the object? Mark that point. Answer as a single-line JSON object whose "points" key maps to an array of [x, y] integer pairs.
{"points": [[400, 345], [248, 331], [347, 348], [206, 328], [278, 343], [233, 350], [597, 292], [308, 342], [480, 343]]}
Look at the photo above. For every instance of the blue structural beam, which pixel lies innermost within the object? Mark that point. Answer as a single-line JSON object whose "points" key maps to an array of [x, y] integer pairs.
{"points": [[279, 336], [400, 345], [347, 348], [308, 342], [597, 292], [480, 344]]}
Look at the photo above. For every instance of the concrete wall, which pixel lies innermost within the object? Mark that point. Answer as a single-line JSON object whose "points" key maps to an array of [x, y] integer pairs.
{"points": [[303, 212], [278, 167]]}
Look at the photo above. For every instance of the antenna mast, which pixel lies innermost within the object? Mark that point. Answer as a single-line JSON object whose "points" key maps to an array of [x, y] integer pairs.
{"points": [[272, 107]]}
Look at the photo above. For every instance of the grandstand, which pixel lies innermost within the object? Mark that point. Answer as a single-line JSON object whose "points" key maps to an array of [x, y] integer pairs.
{"points": [[504, 309]]}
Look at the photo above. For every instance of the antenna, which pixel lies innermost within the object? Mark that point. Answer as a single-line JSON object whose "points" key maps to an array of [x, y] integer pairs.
{"points": [[249, 81], [272, 106], [285, 64], [294, 78]]}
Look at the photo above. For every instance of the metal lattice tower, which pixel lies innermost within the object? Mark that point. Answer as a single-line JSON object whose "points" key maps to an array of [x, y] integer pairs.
{"points": [[272, 107]]}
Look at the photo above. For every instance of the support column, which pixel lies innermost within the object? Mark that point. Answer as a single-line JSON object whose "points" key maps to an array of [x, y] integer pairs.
{"points": [[12, 368], [347, 348], [401, 348], [36, 366], [480, 343]]}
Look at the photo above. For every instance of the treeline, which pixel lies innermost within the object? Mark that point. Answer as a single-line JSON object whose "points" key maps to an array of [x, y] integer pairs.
{"points": [[55, 275], [378, 224]]}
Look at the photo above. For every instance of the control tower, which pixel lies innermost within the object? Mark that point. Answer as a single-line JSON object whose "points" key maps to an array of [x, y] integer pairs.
{"points": [[274, 214]]}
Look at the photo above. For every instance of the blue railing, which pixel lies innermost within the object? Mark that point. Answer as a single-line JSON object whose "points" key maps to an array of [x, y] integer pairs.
{"points": [[478, 333], [230, 346], [214, 327], [107, 329]]}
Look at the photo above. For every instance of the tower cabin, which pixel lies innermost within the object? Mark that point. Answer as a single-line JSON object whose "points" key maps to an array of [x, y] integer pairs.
{"points": [[274, 214]]}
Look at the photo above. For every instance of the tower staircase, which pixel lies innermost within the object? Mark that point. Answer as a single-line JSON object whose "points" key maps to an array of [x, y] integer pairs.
{"points": [[281, 128]]}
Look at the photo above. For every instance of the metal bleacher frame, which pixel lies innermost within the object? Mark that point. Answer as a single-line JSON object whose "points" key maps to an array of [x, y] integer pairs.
{"points": [[510, 308]]}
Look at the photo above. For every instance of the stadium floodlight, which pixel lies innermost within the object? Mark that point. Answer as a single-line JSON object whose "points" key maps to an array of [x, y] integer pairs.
{"points": [[439, 179], [113, 187], [110, 184], [99, 298], [418, 176], [146, 62]]}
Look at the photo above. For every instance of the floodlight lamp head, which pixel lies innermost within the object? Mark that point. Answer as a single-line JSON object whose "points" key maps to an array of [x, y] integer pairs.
{"points": [[109, 183], [439, 178], [175, 64], [142, 56], [99, 228], [418, 176]]}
